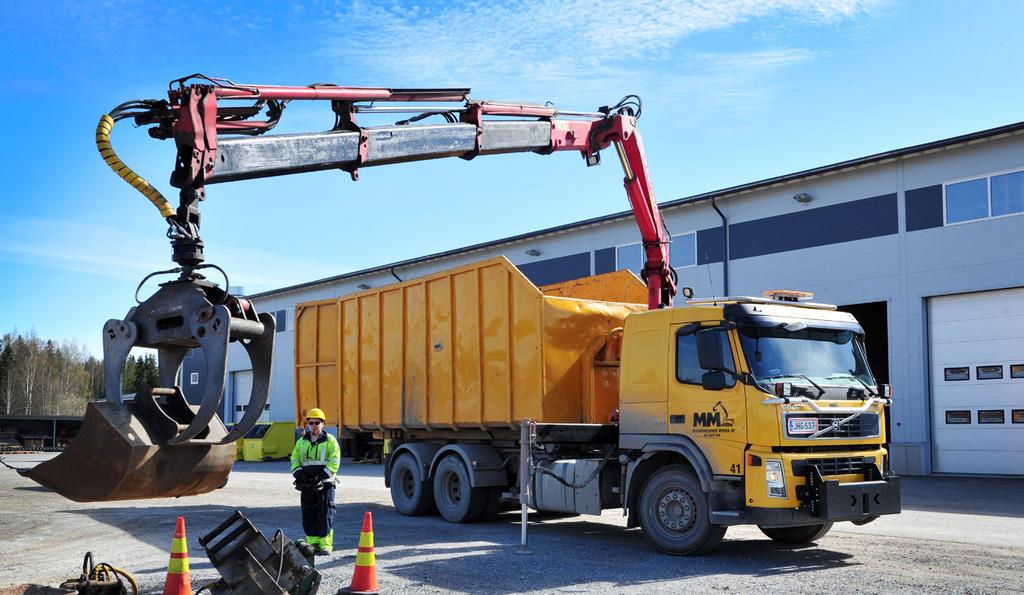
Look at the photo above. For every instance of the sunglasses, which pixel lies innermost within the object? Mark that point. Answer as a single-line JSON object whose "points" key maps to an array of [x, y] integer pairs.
{"points": [[314, 422]]}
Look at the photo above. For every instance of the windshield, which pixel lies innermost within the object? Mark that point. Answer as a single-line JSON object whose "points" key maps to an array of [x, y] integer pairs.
{"points": [[806, 356]]}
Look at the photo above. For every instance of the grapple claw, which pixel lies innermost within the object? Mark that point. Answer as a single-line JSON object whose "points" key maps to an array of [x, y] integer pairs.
{"points": [[120, 454], [156, 444]]}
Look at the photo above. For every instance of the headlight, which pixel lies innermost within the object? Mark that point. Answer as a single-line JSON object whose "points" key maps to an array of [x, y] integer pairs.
{"points": [[775, 478]]}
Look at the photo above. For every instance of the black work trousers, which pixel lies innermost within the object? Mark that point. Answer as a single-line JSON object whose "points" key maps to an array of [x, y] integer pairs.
{"points": [[318, 511]]}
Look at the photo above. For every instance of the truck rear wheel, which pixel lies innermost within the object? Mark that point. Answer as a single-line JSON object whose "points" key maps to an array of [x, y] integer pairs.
{"points": [[456, 500], [411, 495], [801, 534], [493, 506], [675, 514]]}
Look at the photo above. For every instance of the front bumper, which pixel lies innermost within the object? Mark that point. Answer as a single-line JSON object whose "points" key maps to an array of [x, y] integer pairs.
{"points": [[859, 500], [826, 501]]}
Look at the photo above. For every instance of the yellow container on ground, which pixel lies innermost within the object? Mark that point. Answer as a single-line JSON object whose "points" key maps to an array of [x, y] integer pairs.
{"points": [[471, 347], [268, 441]]}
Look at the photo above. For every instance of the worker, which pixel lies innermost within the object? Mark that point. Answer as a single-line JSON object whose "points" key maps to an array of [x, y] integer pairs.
{"points": [[315, 461]]}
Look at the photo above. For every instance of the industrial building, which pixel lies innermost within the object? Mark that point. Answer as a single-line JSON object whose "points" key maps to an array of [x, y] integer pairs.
{"points": [[924, 245]]}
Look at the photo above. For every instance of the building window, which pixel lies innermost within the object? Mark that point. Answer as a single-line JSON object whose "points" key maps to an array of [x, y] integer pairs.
{"points": [[1018, 416], [281, 320], [1007, 194], [992, 196], [991, 416], [193, 378], [953, 374], [967, 201], [958, 417], [1017, 371], [682, 251], [989, 372]]}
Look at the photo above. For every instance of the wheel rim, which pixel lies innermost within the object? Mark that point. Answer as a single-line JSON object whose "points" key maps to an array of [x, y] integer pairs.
{"points": [[451, 489], [677, 511], [406, 484]]}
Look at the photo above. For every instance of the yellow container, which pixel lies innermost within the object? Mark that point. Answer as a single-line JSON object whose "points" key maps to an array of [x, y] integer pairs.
{"points": [[268, 441], [472, 347]]}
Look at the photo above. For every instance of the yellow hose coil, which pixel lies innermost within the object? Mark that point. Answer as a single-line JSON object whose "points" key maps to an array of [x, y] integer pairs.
{"points": [[103, 129]]}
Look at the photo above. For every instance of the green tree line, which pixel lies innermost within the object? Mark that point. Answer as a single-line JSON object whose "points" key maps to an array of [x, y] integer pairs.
{"points": [[43, 377]]}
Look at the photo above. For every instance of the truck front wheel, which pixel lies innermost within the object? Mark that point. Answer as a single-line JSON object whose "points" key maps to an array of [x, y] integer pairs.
{"points": [[457, 500], [675, 514], [411, 495], [801, 534]]}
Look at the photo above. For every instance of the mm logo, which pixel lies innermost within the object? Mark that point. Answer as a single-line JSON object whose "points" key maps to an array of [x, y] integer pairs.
{"points": [[718, 417]]}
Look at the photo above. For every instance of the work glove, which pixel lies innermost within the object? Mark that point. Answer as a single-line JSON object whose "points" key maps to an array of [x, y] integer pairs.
{"points": [[297, 473], [325, 474]]}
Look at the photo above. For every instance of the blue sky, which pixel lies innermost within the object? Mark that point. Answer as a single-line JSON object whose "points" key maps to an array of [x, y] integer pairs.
{"points": [[734, 91]]}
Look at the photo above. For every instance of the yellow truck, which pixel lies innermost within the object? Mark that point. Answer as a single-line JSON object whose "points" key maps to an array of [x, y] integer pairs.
{"points": [[719, 412]]}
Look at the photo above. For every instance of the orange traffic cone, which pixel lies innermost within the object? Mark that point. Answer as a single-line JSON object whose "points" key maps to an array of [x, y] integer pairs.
{"points": [[178, 581], [364, 580]]}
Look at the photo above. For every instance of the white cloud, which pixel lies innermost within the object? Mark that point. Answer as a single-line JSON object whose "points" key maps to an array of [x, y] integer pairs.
{"points": [[543, 41]]}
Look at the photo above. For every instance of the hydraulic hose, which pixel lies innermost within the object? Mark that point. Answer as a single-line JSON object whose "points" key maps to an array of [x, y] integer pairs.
{"points": [[106, 572], [103, 128]]}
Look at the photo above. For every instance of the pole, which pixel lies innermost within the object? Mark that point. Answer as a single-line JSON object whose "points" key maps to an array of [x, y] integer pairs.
{"points": [[524, 484]]}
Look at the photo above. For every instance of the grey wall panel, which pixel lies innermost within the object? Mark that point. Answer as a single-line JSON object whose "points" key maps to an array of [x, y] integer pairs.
{"points": [[845, 222], [827, 191], [924, 207], [967, 162], [604, 260], [556, 270]]}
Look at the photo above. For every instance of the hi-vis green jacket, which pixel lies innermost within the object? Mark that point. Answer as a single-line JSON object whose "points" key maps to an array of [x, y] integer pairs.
{"points": [[324, 454]]}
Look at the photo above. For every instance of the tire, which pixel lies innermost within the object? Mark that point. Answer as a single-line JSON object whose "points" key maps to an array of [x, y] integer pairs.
{"points": [[675, 513], [796, 535], [411, 495], [494, 504], [456, 500], [864, 521]]}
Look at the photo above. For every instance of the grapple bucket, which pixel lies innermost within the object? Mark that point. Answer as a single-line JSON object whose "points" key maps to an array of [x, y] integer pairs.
{"points": [[157, 445], [119, 456]]}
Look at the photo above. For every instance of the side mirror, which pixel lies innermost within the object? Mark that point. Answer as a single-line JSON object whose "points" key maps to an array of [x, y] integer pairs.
{"points": [[714, 380], [709, 350]]}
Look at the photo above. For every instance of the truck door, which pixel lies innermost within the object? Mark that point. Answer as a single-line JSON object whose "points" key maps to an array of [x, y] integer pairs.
{"points": [[704, 404]]}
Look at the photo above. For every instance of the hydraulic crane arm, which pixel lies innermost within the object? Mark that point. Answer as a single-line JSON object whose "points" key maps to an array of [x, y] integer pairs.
{"points": [[200, 119], [157, 444]]}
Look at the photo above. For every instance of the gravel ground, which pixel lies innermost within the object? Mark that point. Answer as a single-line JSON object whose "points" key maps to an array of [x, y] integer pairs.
{"points": [[955, 536]]}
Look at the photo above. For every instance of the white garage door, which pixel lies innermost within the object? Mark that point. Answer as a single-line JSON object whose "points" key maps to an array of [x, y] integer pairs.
{"points": [[241, 388], [977, 380]]}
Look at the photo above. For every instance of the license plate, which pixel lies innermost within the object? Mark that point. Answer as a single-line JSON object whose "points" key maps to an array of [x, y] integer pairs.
{"points": [[802, 425]]}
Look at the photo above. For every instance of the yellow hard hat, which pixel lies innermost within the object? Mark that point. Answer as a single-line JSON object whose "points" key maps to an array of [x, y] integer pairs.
{"points": [[316, 413]]}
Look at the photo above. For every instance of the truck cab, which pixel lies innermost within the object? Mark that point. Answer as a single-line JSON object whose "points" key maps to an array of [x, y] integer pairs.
{"points": [[764, 409]]}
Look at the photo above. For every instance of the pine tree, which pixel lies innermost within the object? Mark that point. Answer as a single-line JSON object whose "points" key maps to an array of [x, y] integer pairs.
{"points": [[6, 374], [128, 376]]}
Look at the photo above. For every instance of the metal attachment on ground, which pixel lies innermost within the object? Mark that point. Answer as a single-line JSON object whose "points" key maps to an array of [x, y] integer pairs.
{"points": [[100, 579], [249, 564]]}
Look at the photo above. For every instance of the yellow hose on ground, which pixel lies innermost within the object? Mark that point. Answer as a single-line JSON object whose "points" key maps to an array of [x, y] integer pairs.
{"points": [[106, 124], [100, 572]]}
